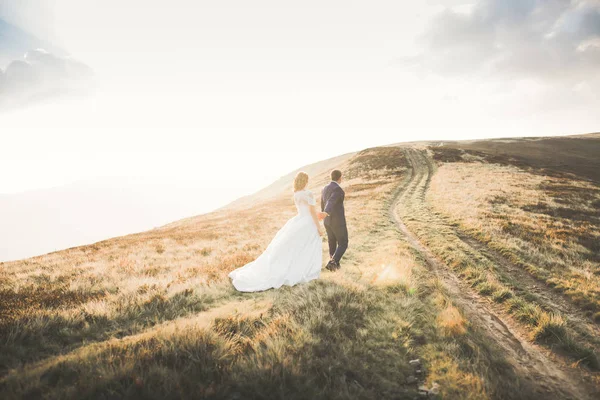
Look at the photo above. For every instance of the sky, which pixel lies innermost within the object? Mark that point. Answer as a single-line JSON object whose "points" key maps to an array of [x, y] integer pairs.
{"points": [[225, 97], [243, 92]]}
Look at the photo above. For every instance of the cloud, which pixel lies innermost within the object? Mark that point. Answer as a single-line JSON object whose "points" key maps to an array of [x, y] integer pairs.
{"points": [[544, 40], [41, 75]]}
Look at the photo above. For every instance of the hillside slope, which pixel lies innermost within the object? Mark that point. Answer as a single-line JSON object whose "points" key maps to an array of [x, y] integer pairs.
{"points": [[40, 221], [285, 183], [482, 267]]}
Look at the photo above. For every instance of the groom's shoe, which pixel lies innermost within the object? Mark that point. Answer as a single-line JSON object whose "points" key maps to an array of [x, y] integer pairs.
{"points": [[331, 266]]}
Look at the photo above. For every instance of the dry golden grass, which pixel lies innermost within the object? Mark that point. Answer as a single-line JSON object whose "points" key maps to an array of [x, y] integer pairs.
{"points": [[563, 332], [153, 315], [451, 321], [549, 226]]}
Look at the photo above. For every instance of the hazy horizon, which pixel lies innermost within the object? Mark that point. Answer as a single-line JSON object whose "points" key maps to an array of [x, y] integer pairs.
{"points": [[39, 221]]}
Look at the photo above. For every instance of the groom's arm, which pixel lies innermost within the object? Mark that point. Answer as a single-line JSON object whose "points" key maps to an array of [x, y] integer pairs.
{"points": [[321, 215], [335, 198]]}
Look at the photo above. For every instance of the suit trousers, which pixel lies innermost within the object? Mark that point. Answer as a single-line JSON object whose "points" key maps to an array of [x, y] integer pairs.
{"points": [[337, 236]]}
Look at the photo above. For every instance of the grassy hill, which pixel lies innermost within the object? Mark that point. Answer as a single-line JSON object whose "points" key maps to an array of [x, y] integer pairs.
{"points": [[479, 259]]}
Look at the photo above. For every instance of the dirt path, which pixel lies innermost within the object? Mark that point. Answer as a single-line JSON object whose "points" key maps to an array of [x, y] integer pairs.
{"points": [[545, 296], [547, 376]]}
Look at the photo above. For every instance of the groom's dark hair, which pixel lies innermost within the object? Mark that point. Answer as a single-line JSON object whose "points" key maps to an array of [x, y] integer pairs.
{"points": [[336, 174]]}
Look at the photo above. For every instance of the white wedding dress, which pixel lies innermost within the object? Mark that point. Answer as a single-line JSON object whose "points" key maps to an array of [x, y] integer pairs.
{"points": [[293, 256]]}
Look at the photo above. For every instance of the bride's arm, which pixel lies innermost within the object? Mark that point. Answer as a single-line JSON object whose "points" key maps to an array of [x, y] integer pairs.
{"points": [[313, 213]]}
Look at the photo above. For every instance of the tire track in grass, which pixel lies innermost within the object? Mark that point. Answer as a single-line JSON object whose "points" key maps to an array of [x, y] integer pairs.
{"points": [[529, 360]]}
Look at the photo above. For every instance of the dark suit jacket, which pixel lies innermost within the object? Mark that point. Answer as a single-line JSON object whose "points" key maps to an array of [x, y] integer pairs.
{"points": [[332, 202]]}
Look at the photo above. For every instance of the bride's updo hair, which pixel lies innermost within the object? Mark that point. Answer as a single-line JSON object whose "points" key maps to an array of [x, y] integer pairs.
{"points": [[300, 181]]}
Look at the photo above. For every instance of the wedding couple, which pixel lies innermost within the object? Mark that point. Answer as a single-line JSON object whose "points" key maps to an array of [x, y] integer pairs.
{"points": [[295, 254]]}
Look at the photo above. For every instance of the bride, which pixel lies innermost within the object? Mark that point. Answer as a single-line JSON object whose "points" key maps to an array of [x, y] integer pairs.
{"points": [[295, 253]]}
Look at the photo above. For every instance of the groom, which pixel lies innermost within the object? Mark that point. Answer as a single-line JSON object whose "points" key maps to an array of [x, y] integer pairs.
{"points": [[332, 207]]}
